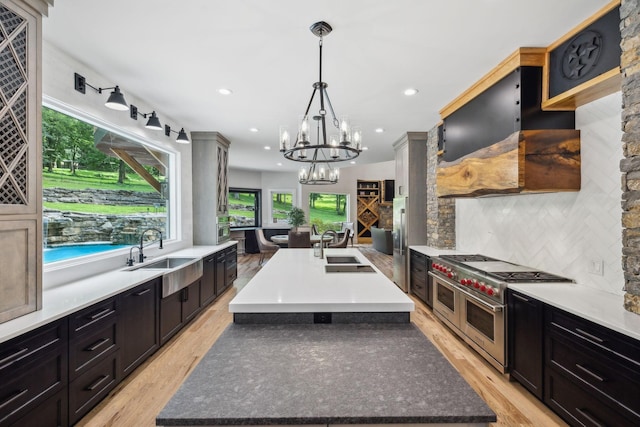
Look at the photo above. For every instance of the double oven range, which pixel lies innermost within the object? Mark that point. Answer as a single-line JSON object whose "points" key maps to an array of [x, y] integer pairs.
{"points": [[469, 295]]}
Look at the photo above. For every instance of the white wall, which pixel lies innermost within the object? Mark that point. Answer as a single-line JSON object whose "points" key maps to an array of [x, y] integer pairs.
{"points": [[57, 74], [561, 233]]}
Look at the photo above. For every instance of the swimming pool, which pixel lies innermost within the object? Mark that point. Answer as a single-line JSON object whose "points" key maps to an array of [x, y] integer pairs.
{"points": [[66, 252]]}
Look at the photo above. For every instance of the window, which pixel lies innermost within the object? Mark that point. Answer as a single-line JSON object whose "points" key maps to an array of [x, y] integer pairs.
{"points": [[244, 207], [101, 189], [328, 211], [281, 204]]}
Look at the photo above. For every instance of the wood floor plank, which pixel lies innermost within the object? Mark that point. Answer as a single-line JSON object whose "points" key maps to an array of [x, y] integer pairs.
{"points": [[141, 396]]}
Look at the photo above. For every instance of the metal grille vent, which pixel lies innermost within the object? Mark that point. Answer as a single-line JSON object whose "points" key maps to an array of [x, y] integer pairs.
{"points": [[13, 120]]}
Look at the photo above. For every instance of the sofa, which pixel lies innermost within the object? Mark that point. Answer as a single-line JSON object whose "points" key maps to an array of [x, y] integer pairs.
{"points": [[382, 240]]}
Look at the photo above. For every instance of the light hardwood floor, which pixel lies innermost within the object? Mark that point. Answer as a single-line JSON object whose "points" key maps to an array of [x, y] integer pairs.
{"points": [[141, 396]]}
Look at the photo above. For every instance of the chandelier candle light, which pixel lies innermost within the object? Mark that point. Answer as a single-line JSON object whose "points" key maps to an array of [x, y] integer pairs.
{"points": [[343, 146]]}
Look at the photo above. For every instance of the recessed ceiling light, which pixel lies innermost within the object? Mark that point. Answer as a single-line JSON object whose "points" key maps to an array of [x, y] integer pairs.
{"points": [[353, 162], [379, 130], [224, 91], [266, 147], [254, 130], [410, 92], [365, 148], [279, 164]]}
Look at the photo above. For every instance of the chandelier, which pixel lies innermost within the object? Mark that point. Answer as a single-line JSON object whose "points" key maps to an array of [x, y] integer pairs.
{"points": [[320, 154]]}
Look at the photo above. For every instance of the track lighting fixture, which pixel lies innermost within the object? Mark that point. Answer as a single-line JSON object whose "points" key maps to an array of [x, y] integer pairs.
{"points": [[116, 99], [152, 123], [182, 135]]}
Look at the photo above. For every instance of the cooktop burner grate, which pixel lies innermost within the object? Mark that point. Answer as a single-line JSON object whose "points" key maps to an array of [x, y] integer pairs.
{"points": [[467, 258], [528, 276]]}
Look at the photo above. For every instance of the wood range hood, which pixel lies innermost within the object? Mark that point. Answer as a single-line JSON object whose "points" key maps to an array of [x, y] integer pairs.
{"points": [[513, 131], [527, 161]]}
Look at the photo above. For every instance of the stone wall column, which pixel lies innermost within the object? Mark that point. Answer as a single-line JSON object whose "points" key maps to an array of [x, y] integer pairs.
{"points": [[630, 164], [441, 213]]}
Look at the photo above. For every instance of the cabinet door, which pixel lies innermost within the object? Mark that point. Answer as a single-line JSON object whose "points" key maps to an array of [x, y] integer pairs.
{"points": [[418, 275], [139, 319], [231, 258], [170, 316], [402, 170], [208, 281], [190, 301], [222, 187], [221, 272], [526, 341]]}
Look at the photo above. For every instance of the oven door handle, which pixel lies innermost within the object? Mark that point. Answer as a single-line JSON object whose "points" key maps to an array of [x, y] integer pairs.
{"points": [[494, 308]]}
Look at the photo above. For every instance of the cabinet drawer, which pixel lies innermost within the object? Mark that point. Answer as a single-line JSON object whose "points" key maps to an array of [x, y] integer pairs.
{"points": [[418, 261], [608, 379], [21, 351], [624, 349], [96, 316], [25, 391], [51, 413], [579, 407], [90, 347], [92, 386]]}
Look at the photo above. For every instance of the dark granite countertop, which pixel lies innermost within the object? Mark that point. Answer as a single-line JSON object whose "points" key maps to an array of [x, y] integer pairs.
{"points": [[324, 374]]}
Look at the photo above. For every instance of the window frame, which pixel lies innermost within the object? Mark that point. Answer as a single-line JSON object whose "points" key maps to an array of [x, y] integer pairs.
{"points": [[273, 191], [258, 205], [174, 170]]}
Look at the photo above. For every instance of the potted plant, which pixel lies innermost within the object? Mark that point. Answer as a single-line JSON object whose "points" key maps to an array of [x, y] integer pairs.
{"points": [[296, 217]]}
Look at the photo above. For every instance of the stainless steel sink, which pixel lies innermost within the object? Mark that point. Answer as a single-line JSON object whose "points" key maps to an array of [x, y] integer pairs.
{"points": [[179, 272], [342, 259], [166, 263], [348, 268]]}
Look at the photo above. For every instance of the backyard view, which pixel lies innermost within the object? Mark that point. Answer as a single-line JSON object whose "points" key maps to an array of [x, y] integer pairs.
{"points": [[327, 211], [92, 200]]}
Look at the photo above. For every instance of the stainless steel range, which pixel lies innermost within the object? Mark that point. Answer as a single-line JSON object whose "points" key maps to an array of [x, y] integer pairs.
{"points": [[469, 296]]}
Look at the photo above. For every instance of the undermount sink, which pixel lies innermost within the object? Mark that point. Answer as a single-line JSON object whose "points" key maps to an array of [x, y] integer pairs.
{"points": [[165, 263], [342, 259], [180, 272], [348, 268]]}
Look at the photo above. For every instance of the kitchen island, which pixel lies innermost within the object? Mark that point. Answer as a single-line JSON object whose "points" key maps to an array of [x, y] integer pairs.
{"points": [[328, 374], [293, 287], [322, 348]]}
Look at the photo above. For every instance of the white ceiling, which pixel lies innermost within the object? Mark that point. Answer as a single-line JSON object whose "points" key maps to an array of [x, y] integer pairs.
{"points": [[177, 54]]}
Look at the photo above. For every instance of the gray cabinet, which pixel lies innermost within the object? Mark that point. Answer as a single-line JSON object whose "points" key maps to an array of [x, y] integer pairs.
{"points": [[21, 130], [210, 151]]}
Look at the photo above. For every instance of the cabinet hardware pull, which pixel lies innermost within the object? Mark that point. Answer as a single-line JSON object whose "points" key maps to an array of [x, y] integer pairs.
{"points": [[100, 314], [97, 344], [146, 291], [211, 260], [10, 359], [589, 372], [521, 298], [589, 336], [97, 383], [12, 398], [590, 417]]}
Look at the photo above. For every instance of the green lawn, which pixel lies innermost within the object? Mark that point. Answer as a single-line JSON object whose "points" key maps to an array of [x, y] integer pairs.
{"points": [[84, 179]]}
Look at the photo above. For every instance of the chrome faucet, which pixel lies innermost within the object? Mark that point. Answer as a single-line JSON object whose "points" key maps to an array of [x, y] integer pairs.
{"points": [[141, 256], [335, 235], [130, 260]]}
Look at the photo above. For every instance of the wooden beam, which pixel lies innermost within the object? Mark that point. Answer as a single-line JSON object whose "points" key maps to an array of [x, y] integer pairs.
{"points": [[524, 56], [137, 167]]}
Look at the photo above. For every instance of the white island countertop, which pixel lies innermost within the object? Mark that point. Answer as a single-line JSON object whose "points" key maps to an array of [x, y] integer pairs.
{"points": [[295, 281]]}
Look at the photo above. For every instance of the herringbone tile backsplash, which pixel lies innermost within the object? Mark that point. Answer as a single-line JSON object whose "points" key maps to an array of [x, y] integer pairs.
{"points": [[562, 233]]}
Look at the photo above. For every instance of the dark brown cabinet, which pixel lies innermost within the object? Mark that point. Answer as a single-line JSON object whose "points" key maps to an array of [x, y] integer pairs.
{"points": [[178, 309], [34, 369], [221, 272], [526, 341], [94, 341], [231, 267], [592, 374], [586, 373], [139, 322], [420, 281], [208, 281]]}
